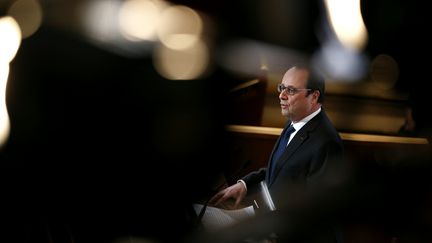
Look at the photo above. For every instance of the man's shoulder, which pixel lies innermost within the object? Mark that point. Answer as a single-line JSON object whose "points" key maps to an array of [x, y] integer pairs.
{"points": [[326, 127]]}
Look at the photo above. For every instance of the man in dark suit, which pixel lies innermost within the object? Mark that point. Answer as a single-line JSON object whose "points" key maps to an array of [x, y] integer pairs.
{"points": [[305, 159]]}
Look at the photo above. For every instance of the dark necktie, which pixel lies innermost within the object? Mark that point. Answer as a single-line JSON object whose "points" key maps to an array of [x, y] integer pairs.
{"points": [[281, 147]]}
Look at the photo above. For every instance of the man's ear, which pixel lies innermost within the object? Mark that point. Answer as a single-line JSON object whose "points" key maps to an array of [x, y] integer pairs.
{"points": [[316, 94]]}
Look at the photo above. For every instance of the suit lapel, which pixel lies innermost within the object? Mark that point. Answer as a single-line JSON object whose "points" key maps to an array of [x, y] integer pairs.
{"points": [[272, 153], [301, 136]]}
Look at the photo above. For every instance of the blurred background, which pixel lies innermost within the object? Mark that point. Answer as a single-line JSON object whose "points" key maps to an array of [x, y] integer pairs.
{"points": [[113, 112]]}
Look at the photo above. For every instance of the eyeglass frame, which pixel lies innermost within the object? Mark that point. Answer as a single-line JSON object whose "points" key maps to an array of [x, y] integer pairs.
{"points": [[289, 90]]}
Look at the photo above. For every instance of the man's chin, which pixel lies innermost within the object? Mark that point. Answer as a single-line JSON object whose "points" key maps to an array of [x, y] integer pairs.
{"points": [[285, 113]]}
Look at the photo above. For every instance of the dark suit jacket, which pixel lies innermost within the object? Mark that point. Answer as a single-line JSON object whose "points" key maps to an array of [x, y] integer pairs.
{"points": [[309, 162]]}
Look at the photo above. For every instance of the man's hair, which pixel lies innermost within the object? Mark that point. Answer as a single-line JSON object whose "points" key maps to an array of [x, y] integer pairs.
{"points": [[315, 81]]}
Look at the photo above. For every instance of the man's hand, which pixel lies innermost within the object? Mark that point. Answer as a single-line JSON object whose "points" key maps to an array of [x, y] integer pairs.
{"points": [[237, 192]]}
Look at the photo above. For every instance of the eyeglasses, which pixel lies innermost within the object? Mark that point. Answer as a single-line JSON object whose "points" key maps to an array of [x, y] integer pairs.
{"points": [[289, 90]]}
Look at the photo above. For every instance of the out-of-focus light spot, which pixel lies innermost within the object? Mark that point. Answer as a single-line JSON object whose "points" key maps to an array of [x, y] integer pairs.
{"points": [[100, 19], [100, 23], [9, 43], [28, 14], [186, 64], [340, 64], [139, 19], [4, 116], [180, 27], [180, 41], [384, 71], [248, 57], [347, 22], [10, 40]]}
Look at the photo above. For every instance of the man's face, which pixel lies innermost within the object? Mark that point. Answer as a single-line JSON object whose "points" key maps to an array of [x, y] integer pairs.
{"points": [[297, 105]]}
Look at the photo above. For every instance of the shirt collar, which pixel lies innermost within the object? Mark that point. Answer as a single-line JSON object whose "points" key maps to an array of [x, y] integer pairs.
{"points": [[298, 125]]}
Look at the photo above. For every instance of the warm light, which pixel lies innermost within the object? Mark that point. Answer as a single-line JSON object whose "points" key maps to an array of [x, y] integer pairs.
{"points": [[180, 27], [347, 22], [4, 116], [10, 40], [28, 14], [183, 64], [139, 19], [9, 43], [384, 71]]}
